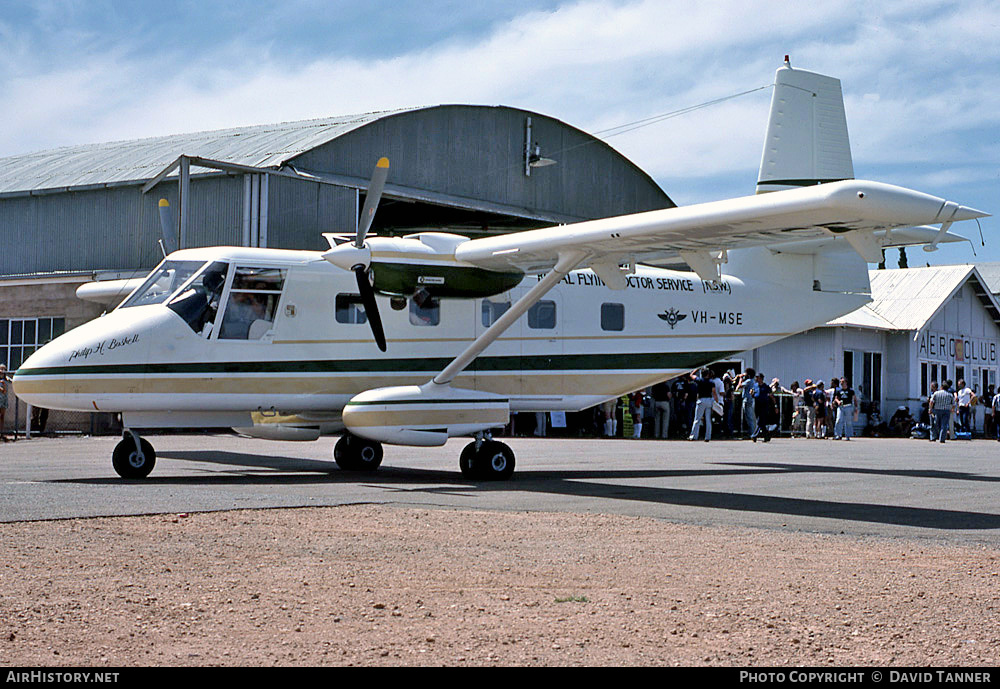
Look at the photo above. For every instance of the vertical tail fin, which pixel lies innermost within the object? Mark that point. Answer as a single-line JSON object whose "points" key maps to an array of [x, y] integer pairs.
{"points": [[806, 140]]}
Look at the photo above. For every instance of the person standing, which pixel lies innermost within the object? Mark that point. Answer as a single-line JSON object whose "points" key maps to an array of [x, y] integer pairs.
{"points": [[995, 404], [728, 389], [707, 395], [810, 410], [847, 412], [4, 389], [965, 396], [636, 402], [661, 404], [763, 408], [940, 408], [819, 410], [746, 384], [610, 419], [690, 400]]}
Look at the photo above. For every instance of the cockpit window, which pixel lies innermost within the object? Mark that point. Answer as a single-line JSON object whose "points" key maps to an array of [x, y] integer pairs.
{"points": [[163, 282], [198, 303], [252, 303]]}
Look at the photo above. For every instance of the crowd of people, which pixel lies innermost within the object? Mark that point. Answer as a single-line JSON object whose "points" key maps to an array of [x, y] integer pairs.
{"points": [[748, 402], [702, 405], [949, 412]]}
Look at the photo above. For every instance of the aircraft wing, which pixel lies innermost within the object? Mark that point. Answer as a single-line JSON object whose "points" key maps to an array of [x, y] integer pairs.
{"points": [[860, 211]]}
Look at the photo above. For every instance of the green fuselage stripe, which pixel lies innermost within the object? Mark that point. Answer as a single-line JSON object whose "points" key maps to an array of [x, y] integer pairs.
{"points": [[551, 363]]}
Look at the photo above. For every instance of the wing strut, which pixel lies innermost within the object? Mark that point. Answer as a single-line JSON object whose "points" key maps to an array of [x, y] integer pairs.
{"points": [[568, 260]]}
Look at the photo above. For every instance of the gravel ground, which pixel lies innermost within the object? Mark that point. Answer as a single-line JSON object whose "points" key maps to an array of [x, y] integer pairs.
{"points": [[384, 585]]}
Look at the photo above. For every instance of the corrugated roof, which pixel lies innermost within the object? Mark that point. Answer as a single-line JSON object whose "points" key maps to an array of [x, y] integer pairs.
{"points": [[267, 145], [907, 299], [865, 317], [990, 271]]}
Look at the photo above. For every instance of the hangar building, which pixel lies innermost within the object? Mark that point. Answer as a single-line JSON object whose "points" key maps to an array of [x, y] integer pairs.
{"points": [[79, 213]]}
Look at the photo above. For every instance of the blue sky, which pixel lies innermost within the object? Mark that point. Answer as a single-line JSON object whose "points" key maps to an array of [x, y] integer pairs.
{"points": [[921, 77]]}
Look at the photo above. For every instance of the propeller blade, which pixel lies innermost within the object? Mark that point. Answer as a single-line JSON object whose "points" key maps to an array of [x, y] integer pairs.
{"points": [[371, 307], [372, 198], [168, 227]]}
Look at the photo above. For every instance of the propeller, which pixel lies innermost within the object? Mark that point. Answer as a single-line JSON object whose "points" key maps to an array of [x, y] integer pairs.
{"points": [[357, 257]]}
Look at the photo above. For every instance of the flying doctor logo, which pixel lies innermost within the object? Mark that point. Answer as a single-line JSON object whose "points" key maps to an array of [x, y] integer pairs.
{"points": [[672, 317]]}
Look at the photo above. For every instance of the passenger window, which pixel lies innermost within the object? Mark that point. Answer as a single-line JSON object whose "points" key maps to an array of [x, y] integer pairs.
{"points": [[612, 316], [492, 310], [198, 304], [350, 309], [426, 311], [253, 301], [542, 316]]}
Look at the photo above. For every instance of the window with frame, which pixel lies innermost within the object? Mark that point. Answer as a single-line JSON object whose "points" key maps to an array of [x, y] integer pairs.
{"points": [[253, 301], [20, 337], [426, 311], [350, 309], [542, 316], [492, 310], [612, 316]]}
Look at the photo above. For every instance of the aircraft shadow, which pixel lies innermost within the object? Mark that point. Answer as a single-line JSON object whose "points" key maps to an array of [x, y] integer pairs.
{"points": [[585, 483], [908, 473]]}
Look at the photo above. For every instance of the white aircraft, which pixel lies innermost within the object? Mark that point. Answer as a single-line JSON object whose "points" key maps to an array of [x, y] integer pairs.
{"points": [[276, 343]]}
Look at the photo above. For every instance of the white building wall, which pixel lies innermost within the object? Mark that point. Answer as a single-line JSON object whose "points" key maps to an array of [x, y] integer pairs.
{"points": [[961, 334]]}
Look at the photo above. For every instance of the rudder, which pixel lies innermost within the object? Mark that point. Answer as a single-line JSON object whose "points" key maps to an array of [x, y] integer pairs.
{"points": [[806, 141]]}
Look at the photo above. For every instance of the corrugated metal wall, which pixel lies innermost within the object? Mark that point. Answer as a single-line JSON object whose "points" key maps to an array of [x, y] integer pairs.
{"points": [[111, 229], [299, 212], [478, 153]]}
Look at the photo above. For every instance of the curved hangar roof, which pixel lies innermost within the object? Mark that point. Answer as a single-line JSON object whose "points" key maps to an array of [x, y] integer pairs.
{"points": [[453, 155]]}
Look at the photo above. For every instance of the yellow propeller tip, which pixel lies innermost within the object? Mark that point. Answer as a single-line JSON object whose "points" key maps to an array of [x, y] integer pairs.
{"points": [[382, 162], [164, 203]]}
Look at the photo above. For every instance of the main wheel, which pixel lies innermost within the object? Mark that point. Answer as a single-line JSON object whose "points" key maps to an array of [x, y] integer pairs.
{"points": [[493, 462], [357, 454], [129, 463]]}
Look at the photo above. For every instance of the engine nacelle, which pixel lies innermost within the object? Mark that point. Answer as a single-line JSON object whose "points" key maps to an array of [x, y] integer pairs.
{"points": [[402, 266], [423, 415]]}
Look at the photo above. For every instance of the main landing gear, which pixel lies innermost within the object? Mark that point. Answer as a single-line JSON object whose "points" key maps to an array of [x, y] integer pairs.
{"points": [[485, 459], [133, 457], [357, 454]]}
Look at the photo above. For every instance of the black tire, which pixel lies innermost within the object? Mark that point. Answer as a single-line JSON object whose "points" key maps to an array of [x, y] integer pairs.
{"points": [[352, 453], [130, 464], [494, 461]]}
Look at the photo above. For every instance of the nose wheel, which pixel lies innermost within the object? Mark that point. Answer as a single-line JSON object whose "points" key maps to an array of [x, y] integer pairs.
{"points": [[357, 454], [490, 461], [133, 457]]}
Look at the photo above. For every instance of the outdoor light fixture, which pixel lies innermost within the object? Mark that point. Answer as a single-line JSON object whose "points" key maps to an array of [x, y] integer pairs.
{"points": [[535, 158], [533, 155]]}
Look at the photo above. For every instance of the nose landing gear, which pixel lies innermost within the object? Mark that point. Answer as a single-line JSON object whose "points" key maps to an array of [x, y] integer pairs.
{"points": [[133, 457]]}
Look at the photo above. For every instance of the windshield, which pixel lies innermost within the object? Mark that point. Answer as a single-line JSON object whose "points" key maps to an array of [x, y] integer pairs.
{"points": [[163, 282], [198, 303]]}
